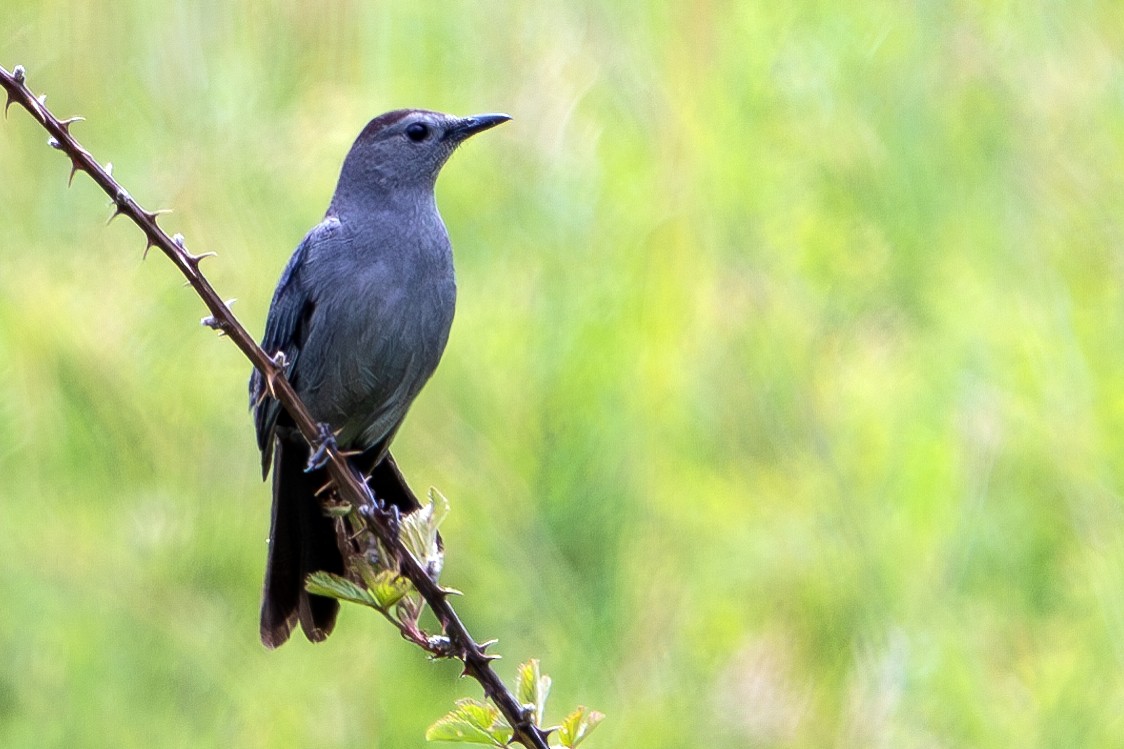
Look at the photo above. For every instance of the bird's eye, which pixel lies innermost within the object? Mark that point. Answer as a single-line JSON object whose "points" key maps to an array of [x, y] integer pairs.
{"points": [[417, 132]]}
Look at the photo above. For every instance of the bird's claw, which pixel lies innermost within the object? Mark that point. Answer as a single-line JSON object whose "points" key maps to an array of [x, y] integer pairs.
{"points": [[393, 519], [381, 509], [325, 441], [280, 361]]}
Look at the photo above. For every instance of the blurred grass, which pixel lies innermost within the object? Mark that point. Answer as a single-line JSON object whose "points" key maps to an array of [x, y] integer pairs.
{"points": [[781, 408]]}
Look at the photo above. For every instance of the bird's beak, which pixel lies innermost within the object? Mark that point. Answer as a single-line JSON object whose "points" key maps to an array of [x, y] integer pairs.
{"points": [[478, 123]]}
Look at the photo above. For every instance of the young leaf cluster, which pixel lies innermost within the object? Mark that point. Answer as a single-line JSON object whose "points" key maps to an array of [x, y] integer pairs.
{"points": [[474, 722], [375, 578]]}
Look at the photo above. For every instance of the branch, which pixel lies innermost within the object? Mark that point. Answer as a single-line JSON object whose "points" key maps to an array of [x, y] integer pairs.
{"points": [[351, 489]]}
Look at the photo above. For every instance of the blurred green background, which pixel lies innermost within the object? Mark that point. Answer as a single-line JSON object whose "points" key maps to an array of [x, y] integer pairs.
{"points": [[782, 407]]}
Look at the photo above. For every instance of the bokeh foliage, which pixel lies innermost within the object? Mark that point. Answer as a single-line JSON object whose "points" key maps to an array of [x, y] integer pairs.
{"points": [[782, 408]]}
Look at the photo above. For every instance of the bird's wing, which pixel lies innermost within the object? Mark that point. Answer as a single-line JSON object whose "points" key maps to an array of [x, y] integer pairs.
{"points": [[285, 330]]}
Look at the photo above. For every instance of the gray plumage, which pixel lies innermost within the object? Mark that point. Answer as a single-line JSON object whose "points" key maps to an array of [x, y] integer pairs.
{"points": [[361, 314]]}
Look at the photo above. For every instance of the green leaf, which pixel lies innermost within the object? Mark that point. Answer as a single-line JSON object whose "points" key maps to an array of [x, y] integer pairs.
{"points": [[578, 725], [471, 722], [419, 532], [533, 688], [366, 571], [388, 588], [335, 586]]}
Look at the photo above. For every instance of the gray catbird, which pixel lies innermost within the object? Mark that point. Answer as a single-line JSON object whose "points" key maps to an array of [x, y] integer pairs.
{"points": [[361, 316]]}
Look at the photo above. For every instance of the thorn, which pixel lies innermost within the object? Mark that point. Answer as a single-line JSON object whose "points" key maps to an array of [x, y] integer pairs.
{"points": [[446, 591], [147, 246], [65, 124], [19, 75], [194, 259], [324, 488], [153, 215], [487, 644], [73, 170], [116, 212]]}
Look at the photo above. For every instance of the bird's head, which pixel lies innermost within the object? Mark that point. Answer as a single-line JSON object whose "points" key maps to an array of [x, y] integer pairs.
{"points": [[405, 149]]}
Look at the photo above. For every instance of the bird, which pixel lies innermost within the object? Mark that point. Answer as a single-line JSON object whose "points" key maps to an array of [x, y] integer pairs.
{"points": [[358, 323]]}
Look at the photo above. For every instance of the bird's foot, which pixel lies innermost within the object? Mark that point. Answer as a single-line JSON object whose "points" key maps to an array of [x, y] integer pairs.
{"points": [[280, 361], [381, 509], [393, 519], [325, 441]]}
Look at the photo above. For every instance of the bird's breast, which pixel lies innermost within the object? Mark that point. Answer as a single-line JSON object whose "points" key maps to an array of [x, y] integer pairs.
{"points": [[378, 335]]}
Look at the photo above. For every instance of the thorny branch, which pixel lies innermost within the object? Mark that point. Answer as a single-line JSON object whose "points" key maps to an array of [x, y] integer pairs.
{"points": [[350, 488]]}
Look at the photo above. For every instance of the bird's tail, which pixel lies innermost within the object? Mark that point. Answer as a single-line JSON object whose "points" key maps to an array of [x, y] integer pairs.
{"points": [[302, 539]]}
